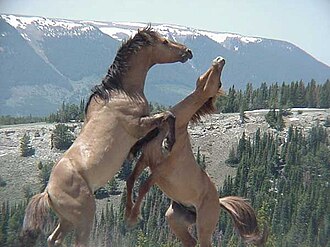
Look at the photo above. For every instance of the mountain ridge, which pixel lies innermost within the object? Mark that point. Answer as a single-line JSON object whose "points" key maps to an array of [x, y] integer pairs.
{"points": [[60, 60]]}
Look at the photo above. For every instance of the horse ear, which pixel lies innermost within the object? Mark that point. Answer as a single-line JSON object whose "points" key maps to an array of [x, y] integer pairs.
{"points": [[147, 28]]}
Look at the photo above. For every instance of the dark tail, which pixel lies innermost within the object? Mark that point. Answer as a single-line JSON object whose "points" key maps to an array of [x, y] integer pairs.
{"points": [[244, 219], [36, 220]]}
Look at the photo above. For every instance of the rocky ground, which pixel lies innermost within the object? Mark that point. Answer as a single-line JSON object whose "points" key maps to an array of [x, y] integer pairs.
{"points": [[215, 135]]}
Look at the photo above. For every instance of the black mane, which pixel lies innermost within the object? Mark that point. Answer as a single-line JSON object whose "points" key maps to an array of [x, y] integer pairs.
{"points": [[119, 67]]}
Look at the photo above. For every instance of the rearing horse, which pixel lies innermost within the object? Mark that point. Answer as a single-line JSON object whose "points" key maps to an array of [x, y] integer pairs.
{"points": [[116, 117], [195, 198]]}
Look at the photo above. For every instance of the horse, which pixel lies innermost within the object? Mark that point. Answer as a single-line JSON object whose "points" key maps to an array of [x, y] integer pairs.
{"points": [[116, 116], [194, 196]]}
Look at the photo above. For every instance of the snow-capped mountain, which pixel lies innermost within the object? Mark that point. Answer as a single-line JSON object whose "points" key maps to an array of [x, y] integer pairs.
{"points": [[45, 61]]}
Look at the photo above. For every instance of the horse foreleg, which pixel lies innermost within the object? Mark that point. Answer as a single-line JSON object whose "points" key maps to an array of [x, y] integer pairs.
{"points": [[140, 165], [149, 123], [135, 212], [179, 220]]}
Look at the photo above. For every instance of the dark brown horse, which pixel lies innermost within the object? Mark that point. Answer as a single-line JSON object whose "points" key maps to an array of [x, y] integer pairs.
{"points": [[117, 115], [195, 198]]}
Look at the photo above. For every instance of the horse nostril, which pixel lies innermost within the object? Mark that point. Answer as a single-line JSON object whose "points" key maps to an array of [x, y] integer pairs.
{"points": [[189, 53]]}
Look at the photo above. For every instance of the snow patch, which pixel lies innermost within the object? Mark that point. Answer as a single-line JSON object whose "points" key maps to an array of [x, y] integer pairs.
{"points": [[119, 30], [20, 22], [250, 40], [117, 33]]}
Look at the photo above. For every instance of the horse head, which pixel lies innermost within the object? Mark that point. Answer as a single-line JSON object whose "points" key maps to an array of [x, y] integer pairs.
{"points": [[164, 50], [210, 84], [210, 81]]}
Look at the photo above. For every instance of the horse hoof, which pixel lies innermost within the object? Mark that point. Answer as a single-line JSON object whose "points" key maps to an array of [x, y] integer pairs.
{"points": [[166, 147]]}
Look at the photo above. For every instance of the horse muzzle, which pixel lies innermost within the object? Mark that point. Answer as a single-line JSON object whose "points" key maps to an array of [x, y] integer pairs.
{"points": [[219, 61], [187, 54]]}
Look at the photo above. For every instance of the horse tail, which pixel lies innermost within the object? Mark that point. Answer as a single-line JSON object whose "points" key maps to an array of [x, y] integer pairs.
{"points": [[245, 220], [36, 219]]}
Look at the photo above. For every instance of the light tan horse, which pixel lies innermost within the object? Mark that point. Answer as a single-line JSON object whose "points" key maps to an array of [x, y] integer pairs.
{"points": [[195, 198], [116, 117]]}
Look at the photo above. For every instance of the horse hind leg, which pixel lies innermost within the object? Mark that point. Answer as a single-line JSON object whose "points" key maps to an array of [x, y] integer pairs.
{"points": [[84, 221], [57, 237], [75, 206], [179, 220], [207, 219]]}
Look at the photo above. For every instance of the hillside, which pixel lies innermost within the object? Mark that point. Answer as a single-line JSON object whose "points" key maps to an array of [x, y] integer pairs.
{"points": [[46, 61], [215, 135]]}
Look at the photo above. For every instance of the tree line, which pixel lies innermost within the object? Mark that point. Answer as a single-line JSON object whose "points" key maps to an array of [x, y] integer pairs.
{"points": [[285, 96]]}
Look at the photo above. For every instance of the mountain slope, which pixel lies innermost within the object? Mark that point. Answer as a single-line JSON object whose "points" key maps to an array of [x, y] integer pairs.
{"points": [[45, 61]]}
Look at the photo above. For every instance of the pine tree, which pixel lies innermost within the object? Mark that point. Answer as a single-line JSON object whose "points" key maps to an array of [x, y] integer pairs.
{"points": [[200, 159], [62, 138], [113, 187], [232, 158]]}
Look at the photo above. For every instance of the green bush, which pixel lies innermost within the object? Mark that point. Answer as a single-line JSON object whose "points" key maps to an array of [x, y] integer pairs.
{"points": [[61, 137]]}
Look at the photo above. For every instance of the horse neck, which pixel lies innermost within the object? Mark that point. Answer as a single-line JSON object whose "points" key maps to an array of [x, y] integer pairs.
{"points": [[186, 108], [134, 79]]}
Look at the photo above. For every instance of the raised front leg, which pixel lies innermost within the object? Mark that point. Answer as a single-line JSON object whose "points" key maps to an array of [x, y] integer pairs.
{"points": [[158, 120], [140, 165], [135, 212]]}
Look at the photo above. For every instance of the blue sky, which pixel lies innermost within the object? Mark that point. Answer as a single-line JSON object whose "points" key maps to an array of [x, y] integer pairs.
{"points": [[305, 23]]}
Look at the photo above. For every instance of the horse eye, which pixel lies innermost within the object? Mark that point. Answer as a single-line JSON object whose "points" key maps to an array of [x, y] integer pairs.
{"points": [[165, 42]]}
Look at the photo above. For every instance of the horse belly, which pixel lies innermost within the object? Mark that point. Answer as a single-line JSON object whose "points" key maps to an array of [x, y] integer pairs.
{"points": [[182, 181], [112, 159], [179, 192]]}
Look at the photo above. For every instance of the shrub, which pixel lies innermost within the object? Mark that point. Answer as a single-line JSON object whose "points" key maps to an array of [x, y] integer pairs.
{"points": [[3, 183], [61, 137], [44, 174], [327, 122], [26, 148]]}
